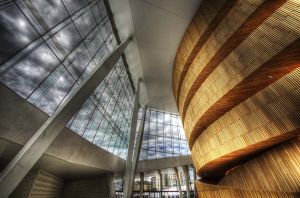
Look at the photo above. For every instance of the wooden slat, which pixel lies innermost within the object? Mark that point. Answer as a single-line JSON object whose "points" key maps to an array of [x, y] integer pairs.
{"points": [[275, 170], [182, 68], [218, 191], [203, 17], [196, 77], [250, 67], [280, 65], [236, 84], [263, 120]]}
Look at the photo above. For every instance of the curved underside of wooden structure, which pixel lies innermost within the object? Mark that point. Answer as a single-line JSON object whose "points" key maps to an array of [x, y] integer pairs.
{"points": [[236, 83], [216, 191], [274, 173]]}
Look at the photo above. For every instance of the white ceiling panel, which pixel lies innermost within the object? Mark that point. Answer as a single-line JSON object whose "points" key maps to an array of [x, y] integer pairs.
{"points": [[158, 27]]}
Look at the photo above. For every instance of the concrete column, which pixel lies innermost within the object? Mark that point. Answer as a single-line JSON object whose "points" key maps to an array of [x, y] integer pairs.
{"points": [[141, 184], [127, 178], [136, 152], [195, 178], [178, 181], [20, 165], [187, 180], [160, 180], [111, 185]]}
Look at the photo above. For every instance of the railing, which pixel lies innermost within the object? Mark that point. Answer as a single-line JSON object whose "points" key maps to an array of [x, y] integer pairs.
{"points": [[156, 194]]}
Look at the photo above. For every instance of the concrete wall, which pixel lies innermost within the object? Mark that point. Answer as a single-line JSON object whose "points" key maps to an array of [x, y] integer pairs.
{"points": [[157, 164], [39, 183], [92, 188]]}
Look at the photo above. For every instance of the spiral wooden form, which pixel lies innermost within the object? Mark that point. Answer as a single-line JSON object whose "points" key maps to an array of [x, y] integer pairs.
{"points": [[236, 82]]}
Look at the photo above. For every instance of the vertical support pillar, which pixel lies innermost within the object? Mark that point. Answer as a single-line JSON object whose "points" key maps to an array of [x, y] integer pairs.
{"points": [[134, 147], [131, 141], [178, 182], [141, 184], [137, 149], [111, 185], [187, 181], [195, 178], [21, 164], [160, 180]]}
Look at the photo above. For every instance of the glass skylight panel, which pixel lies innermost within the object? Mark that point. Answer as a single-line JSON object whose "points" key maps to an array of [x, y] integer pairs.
{"points": [[43, 15], [113, 137], [16, 32], [163, 136], [26, 74], [49, 47]]}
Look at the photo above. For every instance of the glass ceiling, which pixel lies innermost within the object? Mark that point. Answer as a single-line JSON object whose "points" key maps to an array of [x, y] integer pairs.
{"points": [[48, 47], [163, 136]]}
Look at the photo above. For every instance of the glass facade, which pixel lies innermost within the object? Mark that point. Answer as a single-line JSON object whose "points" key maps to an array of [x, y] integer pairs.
{"points": [[49, 47], [163, 136], [105, 117], [153, 187]]}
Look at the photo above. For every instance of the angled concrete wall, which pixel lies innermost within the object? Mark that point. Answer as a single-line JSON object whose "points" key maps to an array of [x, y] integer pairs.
{"points": [[37, 184], [92, 187], [158, 164]]}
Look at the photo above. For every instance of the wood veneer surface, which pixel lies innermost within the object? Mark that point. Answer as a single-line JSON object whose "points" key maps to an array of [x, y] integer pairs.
{"points": [[263, 120], [200, 29], [216, 191], [276, 170], [247, 20], [235, 81]]}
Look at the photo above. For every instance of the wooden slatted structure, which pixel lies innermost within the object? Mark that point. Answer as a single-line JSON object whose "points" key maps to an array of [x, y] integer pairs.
{"points": [[236, 82]]}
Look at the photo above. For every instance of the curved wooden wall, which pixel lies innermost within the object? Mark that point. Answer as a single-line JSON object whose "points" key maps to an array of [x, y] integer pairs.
{"points": [[236, 82], [279, 165], [272, 174], [200, 29], [216, 191], [269, 117]]}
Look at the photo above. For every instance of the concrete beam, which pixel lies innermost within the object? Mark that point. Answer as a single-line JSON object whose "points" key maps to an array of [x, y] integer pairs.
{"points": [[133, 125], [124, 24], [160, 180], [136, 152], [178, 181], [163, 163], [187, 180], [16, 170], [141, 184]]}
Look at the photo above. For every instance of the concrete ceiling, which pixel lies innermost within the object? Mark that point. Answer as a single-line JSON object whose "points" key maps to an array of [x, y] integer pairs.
{"points": [[158, 26]]}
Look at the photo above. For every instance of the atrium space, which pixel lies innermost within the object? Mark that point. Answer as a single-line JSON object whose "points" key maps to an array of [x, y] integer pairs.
{"points": [[149, 98]]}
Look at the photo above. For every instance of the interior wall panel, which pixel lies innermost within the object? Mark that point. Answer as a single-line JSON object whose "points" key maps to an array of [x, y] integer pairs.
{"points": [[275, 170], [235, 81], [267, 118], [251, 64], [37, 184], [207, 18], [240, 22]]}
